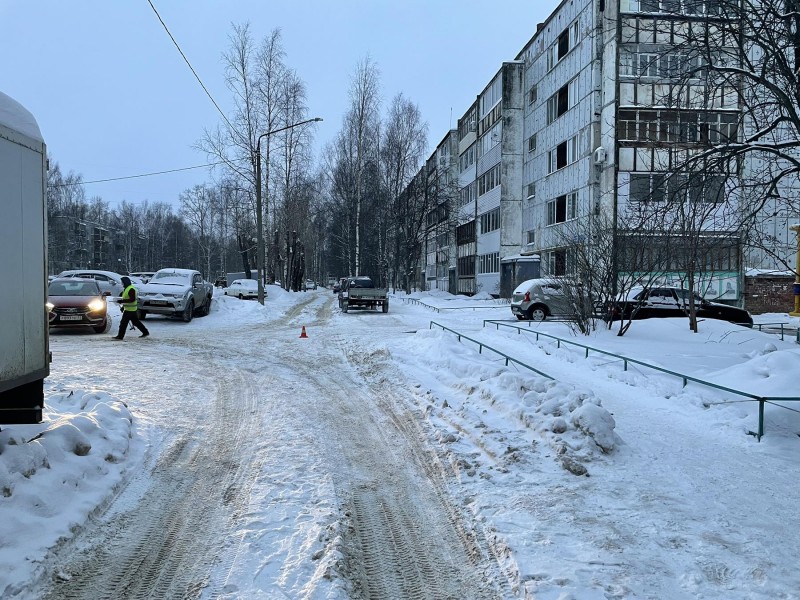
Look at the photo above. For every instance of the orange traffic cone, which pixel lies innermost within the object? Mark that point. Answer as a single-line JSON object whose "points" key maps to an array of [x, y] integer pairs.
{"points": [[303, 333]]}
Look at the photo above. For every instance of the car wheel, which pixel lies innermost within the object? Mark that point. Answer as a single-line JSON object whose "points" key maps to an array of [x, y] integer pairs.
{"points": [[206, 308], [188, 312], [537, 313], [385, 307], [240, 296], [101, 328]]}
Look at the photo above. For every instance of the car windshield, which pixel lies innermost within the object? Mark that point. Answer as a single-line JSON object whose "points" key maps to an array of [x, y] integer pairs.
{"points": [[171, 275], [77, 288], [246, 283]]}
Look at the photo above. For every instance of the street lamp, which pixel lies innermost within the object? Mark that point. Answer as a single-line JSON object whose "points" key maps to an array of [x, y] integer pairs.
{"points": [[259, 217]]}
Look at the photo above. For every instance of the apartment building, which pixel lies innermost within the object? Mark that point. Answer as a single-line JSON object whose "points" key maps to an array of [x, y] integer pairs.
{"points": [[441, 188], [593, 125]]}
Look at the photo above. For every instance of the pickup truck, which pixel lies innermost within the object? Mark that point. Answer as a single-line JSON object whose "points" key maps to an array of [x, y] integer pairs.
{"points": [[360, 292], [178, 293]]}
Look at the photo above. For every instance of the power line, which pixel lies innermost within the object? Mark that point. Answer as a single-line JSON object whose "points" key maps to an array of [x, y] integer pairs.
{"points": [[190, 66], [222, 162]]}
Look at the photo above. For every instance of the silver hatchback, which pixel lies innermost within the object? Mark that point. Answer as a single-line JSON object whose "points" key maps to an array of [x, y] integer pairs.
{"points": [[537, 299]]}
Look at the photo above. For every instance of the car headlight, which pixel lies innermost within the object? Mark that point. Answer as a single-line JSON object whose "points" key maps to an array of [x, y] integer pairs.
{"points": [[50, 306], [96, 305]]}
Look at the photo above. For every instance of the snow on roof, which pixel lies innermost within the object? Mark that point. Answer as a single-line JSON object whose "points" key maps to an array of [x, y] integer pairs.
{"points": [[15, 116]]}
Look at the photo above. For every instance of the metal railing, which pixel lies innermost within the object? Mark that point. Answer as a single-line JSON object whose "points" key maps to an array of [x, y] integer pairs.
{"points": [[439, 309], [784, 327], [481, 346], [762, 400]]}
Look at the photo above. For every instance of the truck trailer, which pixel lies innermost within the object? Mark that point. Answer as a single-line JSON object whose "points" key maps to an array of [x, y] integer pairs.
{"points": [[24, 344]]}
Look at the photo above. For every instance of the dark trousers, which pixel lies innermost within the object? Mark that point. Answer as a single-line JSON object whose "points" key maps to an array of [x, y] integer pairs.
{"points": [[130, 316]]}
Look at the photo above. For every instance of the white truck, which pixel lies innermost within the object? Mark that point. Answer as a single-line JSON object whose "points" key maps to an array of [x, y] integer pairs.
{"points": [[24, 343]]}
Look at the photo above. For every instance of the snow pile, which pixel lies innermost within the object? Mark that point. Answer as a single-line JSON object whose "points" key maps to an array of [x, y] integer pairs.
{"points": [[54, 474], [571, 420]]}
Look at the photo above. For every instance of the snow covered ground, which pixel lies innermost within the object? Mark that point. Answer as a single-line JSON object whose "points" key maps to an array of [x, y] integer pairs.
{"points": [[599, 483]]}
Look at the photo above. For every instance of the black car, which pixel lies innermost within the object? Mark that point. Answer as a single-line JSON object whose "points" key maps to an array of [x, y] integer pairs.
{"points": [[648, 303]]}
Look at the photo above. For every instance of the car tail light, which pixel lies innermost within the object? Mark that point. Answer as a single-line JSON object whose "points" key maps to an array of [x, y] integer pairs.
{"points": [[527, 297]]}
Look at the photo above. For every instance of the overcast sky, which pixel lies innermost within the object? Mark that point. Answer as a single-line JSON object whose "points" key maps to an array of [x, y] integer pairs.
{"points": [[113, 97]]}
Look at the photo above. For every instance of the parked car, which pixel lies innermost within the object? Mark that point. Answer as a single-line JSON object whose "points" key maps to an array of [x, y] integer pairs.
{"points": [[145, 276], [178, 293], [336, 287], [220, 282], [244, 288], [107, 280], [537, 299], [77, 302], [664, 301], [310, 285]]}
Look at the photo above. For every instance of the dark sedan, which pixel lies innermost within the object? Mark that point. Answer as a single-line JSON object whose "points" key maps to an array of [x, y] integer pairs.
{"points": [[77, 303], [648, 303]]}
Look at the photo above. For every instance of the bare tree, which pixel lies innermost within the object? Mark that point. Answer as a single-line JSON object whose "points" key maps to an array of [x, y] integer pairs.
{"points": [[197, 209], [403, 147], [360, 129]]}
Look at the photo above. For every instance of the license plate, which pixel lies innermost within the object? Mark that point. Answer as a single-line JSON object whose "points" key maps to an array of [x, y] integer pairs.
{"points": [[72, 317], [159, 302]]}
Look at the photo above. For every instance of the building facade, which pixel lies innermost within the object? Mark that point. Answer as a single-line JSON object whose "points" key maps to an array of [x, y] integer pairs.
{"points": [[597, 126]]}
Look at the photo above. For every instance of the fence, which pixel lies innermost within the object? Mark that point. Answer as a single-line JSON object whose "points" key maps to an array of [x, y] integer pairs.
{"points": [[439, 309], [762, 400]]}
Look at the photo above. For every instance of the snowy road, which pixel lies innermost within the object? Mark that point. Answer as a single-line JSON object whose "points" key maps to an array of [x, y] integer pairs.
{"points": [[238, 413], [379, 458]]}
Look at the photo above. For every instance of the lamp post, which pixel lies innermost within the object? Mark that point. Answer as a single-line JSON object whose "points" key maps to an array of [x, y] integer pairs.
{"points": [[259, 216], [796, 289]]}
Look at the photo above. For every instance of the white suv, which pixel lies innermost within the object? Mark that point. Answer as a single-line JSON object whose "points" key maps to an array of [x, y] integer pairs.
{"points": [[107, 280]]}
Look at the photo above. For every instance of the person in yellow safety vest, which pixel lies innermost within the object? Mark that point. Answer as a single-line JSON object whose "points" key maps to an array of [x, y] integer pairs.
{"points": [[130, 312]]}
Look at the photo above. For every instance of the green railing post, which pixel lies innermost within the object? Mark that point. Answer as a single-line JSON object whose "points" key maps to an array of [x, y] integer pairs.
{"points": [[760, 418]]}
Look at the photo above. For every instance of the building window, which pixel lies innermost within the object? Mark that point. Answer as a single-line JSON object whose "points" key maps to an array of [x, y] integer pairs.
{"points": [[562, 100], [531, 190], [567, 40], [465, 233], [489, 180], [489, 263], [467, 124], [466, 194], [532, 94], [557, 262], [531, 237], [562, 155], [490, 221], [649, 187], [684, 126], [532, 143], [563, 208], [467, 158], [489, 139], [466, 266]]}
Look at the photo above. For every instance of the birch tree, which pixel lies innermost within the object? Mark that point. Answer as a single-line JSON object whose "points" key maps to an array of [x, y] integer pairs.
{"points": [[360, 126]]}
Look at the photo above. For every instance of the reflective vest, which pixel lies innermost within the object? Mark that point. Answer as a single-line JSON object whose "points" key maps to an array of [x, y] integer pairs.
{"points": [[126, 294]]}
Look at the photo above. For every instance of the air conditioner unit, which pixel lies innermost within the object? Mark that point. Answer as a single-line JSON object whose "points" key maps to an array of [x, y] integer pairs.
{"points": [[600, 155]]}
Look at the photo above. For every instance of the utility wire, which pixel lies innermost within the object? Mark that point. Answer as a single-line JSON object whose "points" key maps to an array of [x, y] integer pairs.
{"points": [[191, 67], [221, 162]]}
